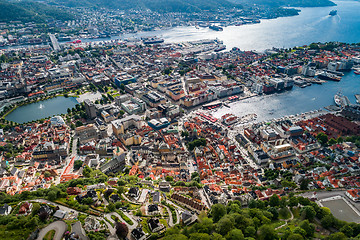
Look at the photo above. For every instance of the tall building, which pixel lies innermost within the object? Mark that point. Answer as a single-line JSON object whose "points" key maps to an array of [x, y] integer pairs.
{"points": [[90, 109]]}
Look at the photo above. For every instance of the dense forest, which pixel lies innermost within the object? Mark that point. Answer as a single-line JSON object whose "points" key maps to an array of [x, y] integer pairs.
{"points": [[31, 11], [154, 5]]}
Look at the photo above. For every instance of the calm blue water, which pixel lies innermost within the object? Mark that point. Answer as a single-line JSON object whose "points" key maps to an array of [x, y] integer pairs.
{"points": [[41, 109], [297, 100], [312, 25]]}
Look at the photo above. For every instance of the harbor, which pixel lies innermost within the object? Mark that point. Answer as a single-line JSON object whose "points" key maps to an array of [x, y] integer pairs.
{"points": [[295, 101]]}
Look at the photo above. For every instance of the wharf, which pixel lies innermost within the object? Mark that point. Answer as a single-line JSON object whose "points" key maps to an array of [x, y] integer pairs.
{"points": [[332, 108]]}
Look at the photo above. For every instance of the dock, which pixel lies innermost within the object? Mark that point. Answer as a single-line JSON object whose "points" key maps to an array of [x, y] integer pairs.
{"points": [[357, 96]]}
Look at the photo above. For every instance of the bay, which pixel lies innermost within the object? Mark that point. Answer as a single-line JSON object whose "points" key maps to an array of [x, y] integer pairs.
{"points": [[297, 100], [311, 25]]}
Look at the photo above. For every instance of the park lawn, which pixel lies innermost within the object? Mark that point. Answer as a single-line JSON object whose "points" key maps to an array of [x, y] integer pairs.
{"points": [[16, 234], [163, 222], [145, 226], [49, 235]]}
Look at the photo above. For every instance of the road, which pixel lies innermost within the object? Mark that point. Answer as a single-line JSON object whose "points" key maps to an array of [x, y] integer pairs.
{"points": [[77, 228], [131, 227], [59, 226]]}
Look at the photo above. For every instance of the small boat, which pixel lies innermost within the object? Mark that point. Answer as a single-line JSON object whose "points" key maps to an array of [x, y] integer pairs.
{"points": [[357, 72], [333, 12]]}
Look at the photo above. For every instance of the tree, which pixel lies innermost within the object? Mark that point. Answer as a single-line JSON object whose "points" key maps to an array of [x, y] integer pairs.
{"points": [[52, 195], [274, 200], [235, 234], [308, 227], [47, 174], [199, 236], [169, 178], [266, 232], [78, 164], [252, 203], [304, 184], [293, 201], [204, 226], [328, 221], [300, 231], [347, 230], [218, 211], [122, 230], [216, 236], [322, 138], [308, 212], [303, 201], [337, 236], [175, 237], [295, 236], [225, 225], [78, 123], [274, 212], [87, 171], [332, 141], [87, 201], [250, 231], [43, 216], [184, 133]]}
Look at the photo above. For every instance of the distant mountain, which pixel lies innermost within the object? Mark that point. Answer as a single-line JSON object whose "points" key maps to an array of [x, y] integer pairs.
{"points": [[30, 11], [288, 3], [154, 5]]}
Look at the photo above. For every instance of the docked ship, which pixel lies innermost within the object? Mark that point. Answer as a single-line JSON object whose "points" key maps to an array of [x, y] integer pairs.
{"points": [[229, 119], [341, 100], [220, 48], [216, 28], [152, 40], [329, 76], [333, 12]]}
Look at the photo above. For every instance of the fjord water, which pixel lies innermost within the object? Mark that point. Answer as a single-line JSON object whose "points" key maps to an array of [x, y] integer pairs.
{"points": [[311, 25], [42, 109], [297, 100]]}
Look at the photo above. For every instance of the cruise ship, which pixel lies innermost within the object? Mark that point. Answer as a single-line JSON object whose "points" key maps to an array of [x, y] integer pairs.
{"points": [[152, 40], [220, 48], [329, 76], [216, 28]]}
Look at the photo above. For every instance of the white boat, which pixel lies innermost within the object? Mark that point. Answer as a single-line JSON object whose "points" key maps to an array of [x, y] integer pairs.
{"points": [[341, 100]]}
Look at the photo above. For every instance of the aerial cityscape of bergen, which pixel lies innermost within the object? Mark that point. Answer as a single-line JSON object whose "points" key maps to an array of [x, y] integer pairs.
{"points": [[179, 119]]}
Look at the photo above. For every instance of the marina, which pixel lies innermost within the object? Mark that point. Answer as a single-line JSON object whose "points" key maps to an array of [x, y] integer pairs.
{"points": [[298, 100]]}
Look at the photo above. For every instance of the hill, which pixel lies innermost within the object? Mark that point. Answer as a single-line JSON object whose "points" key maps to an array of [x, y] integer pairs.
{"points": [[154, 5], [31, 11]]}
